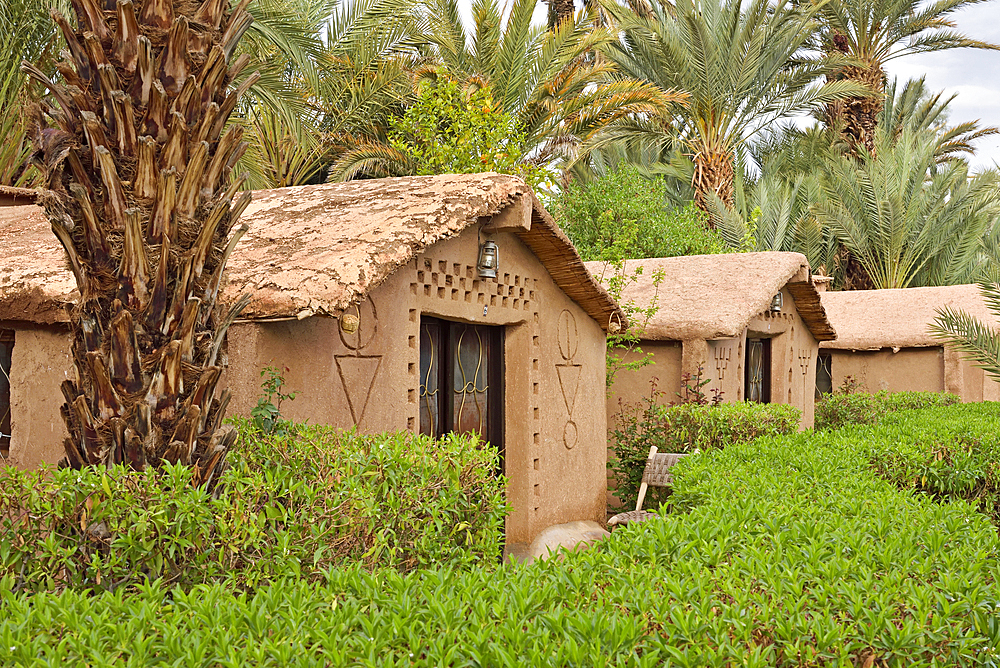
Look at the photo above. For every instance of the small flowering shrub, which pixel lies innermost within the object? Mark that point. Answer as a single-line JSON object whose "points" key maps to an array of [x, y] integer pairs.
{"points": [[291, 504]]}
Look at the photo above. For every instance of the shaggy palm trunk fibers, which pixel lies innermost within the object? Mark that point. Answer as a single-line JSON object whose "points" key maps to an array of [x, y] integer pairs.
{"points": [[713, 173], [856, 118], [137, 154]]}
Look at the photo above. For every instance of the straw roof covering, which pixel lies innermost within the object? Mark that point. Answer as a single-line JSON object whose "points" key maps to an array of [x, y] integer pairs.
{"points": [[715, 296], [875, 319], [317, 249], [17, 195]]}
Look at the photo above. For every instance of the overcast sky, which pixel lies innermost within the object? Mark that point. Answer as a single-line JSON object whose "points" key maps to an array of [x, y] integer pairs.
{"points": [[973, 74]]}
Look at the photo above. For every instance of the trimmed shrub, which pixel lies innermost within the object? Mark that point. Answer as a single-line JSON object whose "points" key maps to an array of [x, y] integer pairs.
{"points": [[293, 504], [685, 428], [791, 553], [949, 454], [834, 411]]}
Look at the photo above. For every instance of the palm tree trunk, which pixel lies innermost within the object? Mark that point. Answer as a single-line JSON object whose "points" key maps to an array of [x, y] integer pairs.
{"points": [[559, 11], [713, 173], [856, 118], [137, 159]]}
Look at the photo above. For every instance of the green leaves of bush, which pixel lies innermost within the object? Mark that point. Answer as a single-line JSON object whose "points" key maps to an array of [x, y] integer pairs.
{"points": [[792, 552], [834, 411], [685, 428], [293, 504]]}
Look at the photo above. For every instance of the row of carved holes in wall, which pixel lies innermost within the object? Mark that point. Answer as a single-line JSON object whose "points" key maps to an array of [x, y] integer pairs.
{"points": [[462, 283]]}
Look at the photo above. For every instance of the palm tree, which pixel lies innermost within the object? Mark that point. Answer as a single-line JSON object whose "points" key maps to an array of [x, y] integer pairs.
{"points": [[366, 79], [136, 154], [560, 96], [907, 220], [742, 67], [870, 33], [915, 108], [979, 341], [25, 32]]}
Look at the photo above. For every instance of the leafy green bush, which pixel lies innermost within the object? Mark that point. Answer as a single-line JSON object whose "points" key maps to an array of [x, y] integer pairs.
{"points": [[626, 215], [791, 553], [950, 454], [834, 411], [448, 130], [684, 428], [292, 504]]}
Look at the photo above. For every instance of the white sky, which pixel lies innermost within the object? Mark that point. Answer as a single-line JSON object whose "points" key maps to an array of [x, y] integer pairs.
{"points": [[973, 74]]}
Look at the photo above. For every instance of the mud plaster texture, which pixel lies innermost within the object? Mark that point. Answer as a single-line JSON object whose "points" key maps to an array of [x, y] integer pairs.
{"points": [[555, 425], [884, 341], [40, 362]]}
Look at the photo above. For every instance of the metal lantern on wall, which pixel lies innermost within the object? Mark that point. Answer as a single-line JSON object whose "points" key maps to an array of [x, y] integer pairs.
{"points": [[776, 303], [489, 260]]}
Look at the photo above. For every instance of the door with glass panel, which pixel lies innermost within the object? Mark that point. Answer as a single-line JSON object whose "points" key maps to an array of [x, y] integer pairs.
{"points": [[461, 379], [757, 371]]}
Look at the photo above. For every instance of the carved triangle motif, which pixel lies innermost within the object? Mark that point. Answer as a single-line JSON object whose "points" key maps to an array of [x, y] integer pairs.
{"points": [[569, 381], [357, 375]]}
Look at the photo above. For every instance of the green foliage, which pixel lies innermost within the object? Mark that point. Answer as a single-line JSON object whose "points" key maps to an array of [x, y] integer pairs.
{"points": [[265, 417], [290, 505], [685, 427], [448, 130], [626, 215], [834, 411], [792, 552], [950, 455]]}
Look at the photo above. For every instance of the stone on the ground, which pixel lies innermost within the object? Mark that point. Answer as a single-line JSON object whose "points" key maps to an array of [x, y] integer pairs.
{"points": [[572, 536]]}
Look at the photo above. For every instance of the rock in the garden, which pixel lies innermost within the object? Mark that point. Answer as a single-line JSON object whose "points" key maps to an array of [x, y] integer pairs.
{"points": [[571, 536]]}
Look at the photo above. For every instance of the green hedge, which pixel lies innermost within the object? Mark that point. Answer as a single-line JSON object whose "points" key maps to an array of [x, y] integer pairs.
{"points": [[289, 505], [790, 552], [834, 411], [950, 454], [685, 428]]}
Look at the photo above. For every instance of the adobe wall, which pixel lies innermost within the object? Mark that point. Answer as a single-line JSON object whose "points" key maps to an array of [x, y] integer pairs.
{"points": [[555, 420], [633, 385], [933, 369], [41, 361]]}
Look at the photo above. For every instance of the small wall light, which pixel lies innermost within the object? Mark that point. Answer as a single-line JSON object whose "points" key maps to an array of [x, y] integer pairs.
{"points": [[489, 260], [776, 302]]}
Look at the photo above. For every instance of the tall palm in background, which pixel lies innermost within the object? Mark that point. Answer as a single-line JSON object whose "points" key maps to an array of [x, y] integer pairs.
{"points": [[905, 218], [871, 33], [742, 67], [137, 154], [549, 81]]}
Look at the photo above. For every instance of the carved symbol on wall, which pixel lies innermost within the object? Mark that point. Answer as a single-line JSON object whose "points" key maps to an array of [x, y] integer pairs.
{"points": [[568, 372], [569, 381], [570, 435], [367, 319], [569, 336], [357, 375], [804, 359], [722, 360]]}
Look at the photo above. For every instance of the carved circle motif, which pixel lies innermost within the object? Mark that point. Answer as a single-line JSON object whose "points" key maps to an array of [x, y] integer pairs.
{"points": [[367, 325], [569, 335], [570, 435]]}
